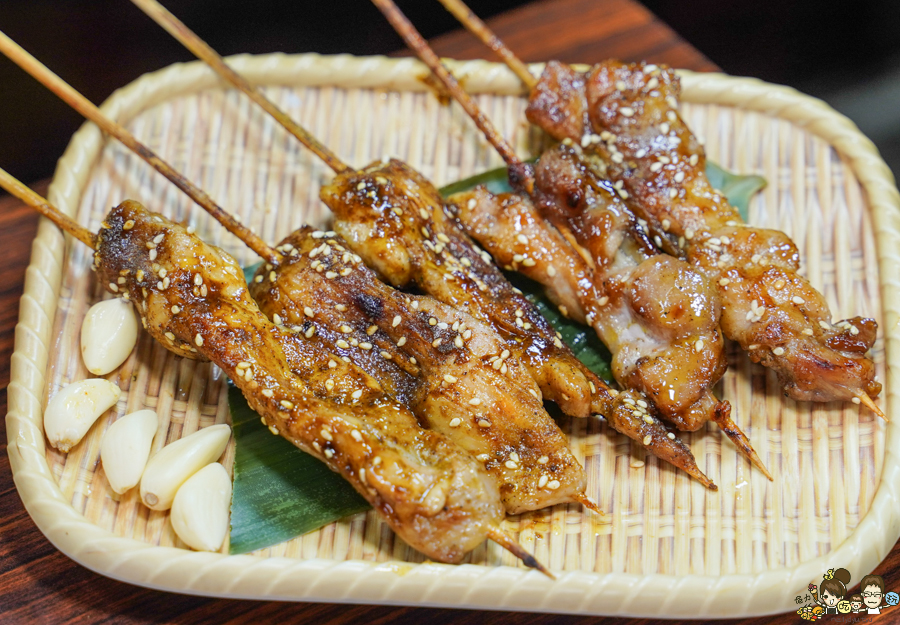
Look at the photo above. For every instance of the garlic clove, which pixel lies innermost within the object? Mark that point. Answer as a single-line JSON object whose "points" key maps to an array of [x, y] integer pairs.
{"points": [[73, 410], [172, 465], [108, 334], [126, 447], [200, 509]]}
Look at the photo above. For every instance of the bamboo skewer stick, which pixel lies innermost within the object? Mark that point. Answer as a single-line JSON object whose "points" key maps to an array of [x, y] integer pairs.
{"points": [[867, 401], [16, 188], [474, 25], [519, 172], [204, 52], [86, 108]]}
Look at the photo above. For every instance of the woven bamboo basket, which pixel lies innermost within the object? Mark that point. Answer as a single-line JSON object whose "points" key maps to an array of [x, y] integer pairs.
{"points": [[667, 546]]}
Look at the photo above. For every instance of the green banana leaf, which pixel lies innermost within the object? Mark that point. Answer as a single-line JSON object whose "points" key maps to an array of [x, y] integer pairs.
{"points": [[281, 492]]}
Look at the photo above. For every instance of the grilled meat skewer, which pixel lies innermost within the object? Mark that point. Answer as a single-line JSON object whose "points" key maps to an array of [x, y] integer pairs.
{"points": [[497, 222], [629, 111], [458, 376], [192, 298]]}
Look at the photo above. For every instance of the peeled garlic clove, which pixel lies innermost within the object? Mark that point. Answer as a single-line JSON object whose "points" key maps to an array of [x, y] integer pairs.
{"points": [[108, 335], [200, 510], [126, 447], [73, 410], [176, 462]]}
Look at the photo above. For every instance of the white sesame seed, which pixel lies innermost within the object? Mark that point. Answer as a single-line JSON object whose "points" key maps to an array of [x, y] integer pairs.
{"points": [[455, 422], [808, 332], [778, 351], [286, 404], [856, 400], [511, 465], [627, 111], [798, 300], [198, 340], [483, 457], [553, 484], [176, 309], [698, 346], [356, 394], [309, 312], [724, 282], [437, 342], [267, 392], [342, 344], [366, 346], [543, 481], [310, 332], [647, 440], [401, 342], [673, 193], [679, 176], [484, 423]]}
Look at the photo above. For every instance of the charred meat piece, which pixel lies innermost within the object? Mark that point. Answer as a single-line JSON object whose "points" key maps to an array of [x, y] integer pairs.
{"points": [[628, 114], [394, 219], [454, 372], [508, 224], [192, 297]]}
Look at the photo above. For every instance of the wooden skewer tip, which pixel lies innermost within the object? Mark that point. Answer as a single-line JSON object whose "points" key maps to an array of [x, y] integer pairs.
{"points": [[869, 403], [505, 540]]}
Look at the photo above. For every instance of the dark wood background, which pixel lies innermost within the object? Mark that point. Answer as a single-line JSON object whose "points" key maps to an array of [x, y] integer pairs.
{"points": [[39, 584]]}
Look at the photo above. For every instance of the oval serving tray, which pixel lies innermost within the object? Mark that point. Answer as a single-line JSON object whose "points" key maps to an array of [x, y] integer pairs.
{"points": [[667, 547]]}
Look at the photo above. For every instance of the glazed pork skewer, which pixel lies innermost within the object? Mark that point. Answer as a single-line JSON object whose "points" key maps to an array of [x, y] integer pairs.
{"points": [[629, 115], [521, 446], [625, 412], [773, 312], [671, 308], [432, 493]]}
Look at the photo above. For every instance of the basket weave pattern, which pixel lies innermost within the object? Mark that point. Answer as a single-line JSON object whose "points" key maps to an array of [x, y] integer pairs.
{"points": [[827, 458]]}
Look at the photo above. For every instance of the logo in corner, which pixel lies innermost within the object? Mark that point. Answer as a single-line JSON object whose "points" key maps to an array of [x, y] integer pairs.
{"points": [[830, 598]]}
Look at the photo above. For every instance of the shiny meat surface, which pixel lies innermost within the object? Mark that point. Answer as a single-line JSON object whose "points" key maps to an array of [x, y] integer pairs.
{"points": [[497, 222], [394, 218], [454, 372], [192, 297], [632, 121], [657, 314]]}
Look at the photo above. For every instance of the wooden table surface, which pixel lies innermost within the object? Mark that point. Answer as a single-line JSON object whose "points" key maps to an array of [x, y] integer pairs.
{"points": [[39, 584]]}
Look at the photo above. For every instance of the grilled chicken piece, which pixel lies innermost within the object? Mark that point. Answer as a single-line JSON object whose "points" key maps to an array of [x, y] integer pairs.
{"points": [[192, 298], [509, 224], [394, 218], [658, 315], [455, 373], [628, 114]]}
